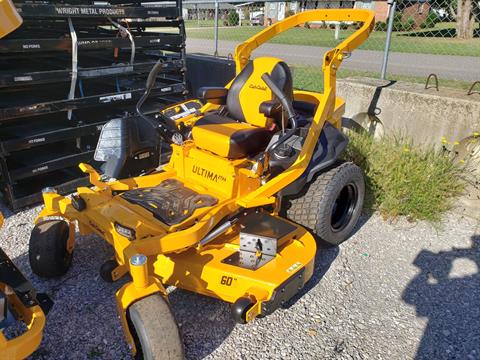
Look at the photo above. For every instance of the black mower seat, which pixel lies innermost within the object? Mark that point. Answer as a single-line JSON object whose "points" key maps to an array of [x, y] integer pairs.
{"points": [[245, 130]]}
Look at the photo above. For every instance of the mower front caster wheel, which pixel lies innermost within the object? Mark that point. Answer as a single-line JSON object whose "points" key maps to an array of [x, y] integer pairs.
{"points": [[47, 252], [155, 330]]}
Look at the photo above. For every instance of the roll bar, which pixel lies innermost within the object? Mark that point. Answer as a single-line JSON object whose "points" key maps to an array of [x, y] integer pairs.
{"points": [[332, 58]]}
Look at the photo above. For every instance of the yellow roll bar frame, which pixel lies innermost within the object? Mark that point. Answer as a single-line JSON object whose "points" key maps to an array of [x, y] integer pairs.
{"points": [[332, 60], [367, 17]]}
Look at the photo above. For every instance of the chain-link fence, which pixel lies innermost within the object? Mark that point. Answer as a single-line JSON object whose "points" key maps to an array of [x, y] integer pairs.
{"points": [[427, 36]]}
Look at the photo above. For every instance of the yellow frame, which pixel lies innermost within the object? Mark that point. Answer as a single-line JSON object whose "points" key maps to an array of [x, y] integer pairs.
{"points": [[33, 317], [25, 344], [9, 18], [174, 254]]}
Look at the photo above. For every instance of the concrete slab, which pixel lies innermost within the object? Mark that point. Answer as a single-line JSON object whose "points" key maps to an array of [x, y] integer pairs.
{"points": [[424, 115], [446, 118]]}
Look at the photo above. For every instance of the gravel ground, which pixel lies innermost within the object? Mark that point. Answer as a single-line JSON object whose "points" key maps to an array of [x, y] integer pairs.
{"points": [[393, 291]]}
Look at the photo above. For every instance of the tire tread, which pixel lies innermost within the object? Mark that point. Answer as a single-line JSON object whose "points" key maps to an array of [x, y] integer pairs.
{"points": [[47, 251], [160, 330], [306, 208]]}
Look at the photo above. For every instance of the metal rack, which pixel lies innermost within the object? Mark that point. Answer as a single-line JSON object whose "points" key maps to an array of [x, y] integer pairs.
{"points": [[66, 71], [42, 10]]}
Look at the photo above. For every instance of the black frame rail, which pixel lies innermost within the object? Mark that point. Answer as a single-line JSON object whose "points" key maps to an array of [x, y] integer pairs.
{"points": [[48, 137], [85, 102], [53, 76], [167, 42]]}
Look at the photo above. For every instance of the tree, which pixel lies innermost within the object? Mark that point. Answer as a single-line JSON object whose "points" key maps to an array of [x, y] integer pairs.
{"points": [[464, 17], [233, 18], [463, 11]]}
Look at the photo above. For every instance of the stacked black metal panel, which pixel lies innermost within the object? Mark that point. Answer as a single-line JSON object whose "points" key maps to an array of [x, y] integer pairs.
{"points": [[67, 70]]}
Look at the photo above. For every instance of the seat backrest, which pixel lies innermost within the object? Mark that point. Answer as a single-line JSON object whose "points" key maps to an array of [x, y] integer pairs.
{"points": [[248, 90]]}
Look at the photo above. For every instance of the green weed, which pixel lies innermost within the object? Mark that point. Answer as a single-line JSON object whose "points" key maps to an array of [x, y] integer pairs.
{"points": [[402, 180]]}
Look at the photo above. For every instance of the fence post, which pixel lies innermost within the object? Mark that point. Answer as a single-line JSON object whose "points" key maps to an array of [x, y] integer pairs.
{"points": [[337, 30], [198, 15], [215, 53], [392, 4]]}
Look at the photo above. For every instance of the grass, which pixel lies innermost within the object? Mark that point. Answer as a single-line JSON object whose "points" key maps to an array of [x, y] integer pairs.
{"points": [[420, 41], [311, 78], [199, 23], [417, 183], [404, 181]]}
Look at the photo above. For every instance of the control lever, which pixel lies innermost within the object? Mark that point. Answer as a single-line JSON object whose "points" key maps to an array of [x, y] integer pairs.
{"points": [[262, 163], [282, 97], [287, 106], [166, 127]]}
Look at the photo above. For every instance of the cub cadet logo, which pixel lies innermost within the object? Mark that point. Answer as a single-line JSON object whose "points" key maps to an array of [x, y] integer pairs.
{"points": [[258, 87], [207, 174]]}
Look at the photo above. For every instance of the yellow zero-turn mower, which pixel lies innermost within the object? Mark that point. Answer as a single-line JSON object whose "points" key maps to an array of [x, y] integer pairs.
{"points": [[19, 303], [209, 221]]}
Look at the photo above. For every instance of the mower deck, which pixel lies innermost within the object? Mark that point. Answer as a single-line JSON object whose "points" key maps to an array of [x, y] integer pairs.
{"points": [[253, 258], [228, 269]]}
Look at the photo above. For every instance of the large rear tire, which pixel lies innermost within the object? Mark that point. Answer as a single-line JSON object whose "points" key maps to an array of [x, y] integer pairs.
{"points": [[155, 330], [47, 251], [331, 204]]}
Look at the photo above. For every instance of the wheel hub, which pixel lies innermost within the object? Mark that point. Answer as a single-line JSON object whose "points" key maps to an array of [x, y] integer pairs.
{"points": [[343, 207]]}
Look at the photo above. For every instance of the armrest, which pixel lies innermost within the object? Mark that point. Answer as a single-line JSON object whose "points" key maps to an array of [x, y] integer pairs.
{"points": [[214, 95], [270, 108]]}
